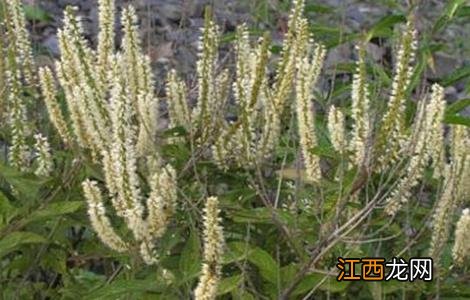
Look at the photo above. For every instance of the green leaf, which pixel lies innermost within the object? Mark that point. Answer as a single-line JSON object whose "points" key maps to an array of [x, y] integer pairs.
{"points": [[35, 13], [236, 252], [15, 239], [452, 117], [177, 131], [348, 68], [27, 184], [267, 266], [331, 36], [448, 14], [190, 260], [341, 89], [457, 106], [275, 49], [309, 282], [334, 286], [329, 284], [457, 75], [227, 285], [125, 287], [326, 151], [54, 210], [421, 62], [7, 211], [55, 259], [384, 27], [463, 12], [259, 215], [288, 273], [318, 8], [456, 119], [379, 71]]}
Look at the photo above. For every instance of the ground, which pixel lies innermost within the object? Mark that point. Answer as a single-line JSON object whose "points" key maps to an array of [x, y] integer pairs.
{"points": [[171, 28]]}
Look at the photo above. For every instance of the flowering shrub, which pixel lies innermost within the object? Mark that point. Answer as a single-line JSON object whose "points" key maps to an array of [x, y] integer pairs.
{"points": [[268, 230]]}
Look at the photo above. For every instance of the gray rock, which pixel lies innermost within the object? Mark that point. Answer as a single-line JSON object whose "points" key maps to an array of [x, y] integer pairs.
{"points": [[340, 54], [170, 11], [450, 93], [443, 66], [375, 51], [52, 44]]}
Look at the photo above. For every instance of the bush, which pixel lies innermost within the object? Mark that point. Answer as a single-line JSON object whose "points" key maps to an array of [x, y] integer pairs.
{"points": [[260, 206]]}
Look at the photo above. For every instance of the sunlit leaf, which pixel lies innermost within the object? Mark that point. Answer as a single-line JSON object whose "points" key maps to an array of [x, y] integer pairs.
{"points": [[35, 13], [228, 284], [190, 260], [384, 27], [54, 210], [16, 239]]}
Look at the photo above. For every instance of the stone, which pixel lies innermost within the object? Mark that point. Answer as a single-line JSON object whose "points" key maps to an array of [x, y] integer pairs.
{"points": [[52, 44]]}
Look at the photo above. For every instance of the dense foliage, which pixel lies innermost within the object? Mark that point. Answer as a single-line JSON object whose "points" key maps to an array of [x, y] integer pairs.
{"points": [[253, 187]]}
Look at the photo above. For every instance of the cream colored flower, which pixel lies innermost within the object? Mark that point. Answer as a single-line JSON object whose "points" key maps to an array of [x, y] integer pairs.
{"points": [[336, 129], [453, 192], [106, 17], [77, 119], [44, 158], [55, 114], [213, 250], [161, 203], [81, 78], [436, 108], [203, 114], [19, 37], [461, 249], [100, 222], [139, 80], [309, 64], [427, 136], [360, 111], [18, 155], [236, 144], [391, 137], [177, 105]]}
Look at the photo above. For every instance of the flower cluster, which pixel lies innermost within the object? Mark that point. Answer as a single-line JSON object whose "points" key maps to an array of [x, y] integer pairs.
{"points": [[455, 189], [44, 158], [113, 111], [391, 139], [20, 42], [19, 70], [49, 92], [237, 144], [213, 250], [98, 218], [360, 111], [177, 106], [336, 129], [308, 67], [252, 138], [461, 248], [426, 138], [211, 87]]}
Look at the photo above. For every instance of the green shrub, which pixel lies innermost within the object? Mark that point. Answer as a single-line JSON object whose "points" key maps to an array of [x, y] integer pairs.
{"points": [[287, 187]]}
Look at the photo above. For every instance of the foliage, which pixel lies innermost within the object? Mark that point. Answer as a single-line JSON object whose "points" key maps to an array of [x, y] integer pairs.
{"points": [[259, 207]]}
